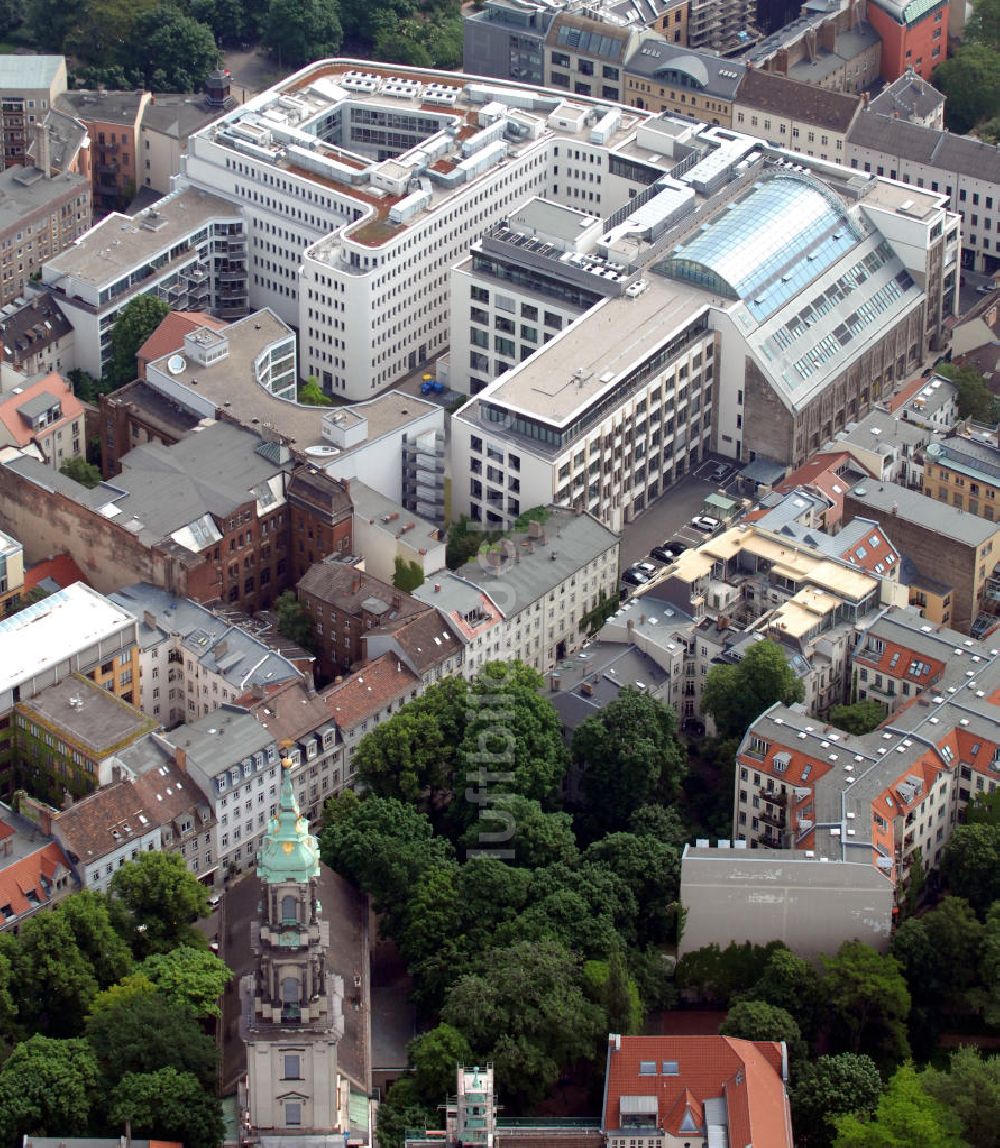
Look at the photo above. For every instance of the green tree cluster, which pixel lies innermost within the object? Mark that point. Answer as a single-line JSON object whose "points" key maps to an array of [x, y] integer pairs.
{"points": [[975, 399], [295, 622], [407, 575], [139, 319], [79, 470], [102, 1000], [858, 717], [737, 695], [970, 77], [527, 937]]}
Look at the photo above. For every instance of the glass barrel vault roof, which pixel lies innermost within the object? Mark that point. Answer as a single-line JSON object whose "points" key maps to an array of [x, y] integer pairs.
{"points": [[766, 246]]}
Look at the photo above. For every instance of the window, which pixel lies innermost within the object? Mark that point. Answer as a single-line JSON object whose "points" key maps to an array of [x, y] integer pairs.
{"points": [[292, 1066], [293, 1113]]}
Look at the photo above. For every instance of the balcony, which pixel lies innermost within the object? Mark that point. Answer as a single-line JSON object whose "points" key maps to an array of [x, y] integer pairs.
{"points": [[772, 816]]}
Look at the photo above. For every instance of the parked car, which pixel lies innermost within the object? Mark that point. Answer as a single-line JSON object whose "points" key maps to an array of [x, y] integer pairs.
{"points": [[719, 472], [643, 567], [662, 554], [635, 578], [705, 523], [986, 289]]}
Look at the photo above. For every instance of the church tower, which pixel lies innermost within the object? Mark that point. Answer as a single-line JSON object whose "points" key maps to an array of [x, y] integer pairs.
{"points": [[292, 1006]]}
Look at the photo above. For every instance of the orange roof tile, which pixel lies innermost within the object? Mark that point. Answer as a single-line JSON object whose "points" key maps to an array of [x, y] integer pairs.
{"points": [[27, 884], [885, 554], [895, 661], [62, 569], [19, 432], [904, 394], [681, 1073], [369, 690], [169, 336]]}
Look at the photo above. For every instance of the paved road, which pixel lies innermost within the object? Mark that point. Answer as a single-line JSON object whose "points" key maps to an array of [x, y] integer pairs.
{"points": [[669, 517], [253, 71]]}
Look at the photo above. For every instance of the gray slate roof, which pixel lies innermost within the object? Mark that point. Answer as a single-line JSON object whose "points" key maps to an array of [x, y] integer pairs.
{"points": [[953, 154]]}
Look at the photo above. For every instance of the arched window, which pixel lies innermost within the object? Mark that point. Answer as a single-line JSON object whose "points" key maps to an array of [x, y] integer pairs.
{"points": [[289, 908]]}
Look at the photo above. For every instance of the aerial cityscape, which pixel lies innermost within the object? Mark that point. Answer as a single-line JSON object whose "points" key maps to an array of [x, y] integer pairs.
{"points": [[500, 574]]}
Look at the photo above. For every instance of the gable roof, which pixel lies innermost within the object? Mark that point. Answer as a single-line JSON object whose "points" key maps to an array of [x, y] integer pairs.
{"points": [[738, 1084], [807, 103], [369, 691], [169, 335], [18, 430], [955, 154], [27, 884]]}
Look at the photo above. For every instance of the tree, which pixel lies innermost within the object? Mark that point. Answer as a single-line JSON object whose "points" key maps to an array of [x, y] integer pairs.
{"points": [[47, 1088], [135, 984], [971, 1090], [311, 394], [401, 1109], [652, 871], [52, 981], [630, 754], [385, 847], [610, 985], [983, 26], [167, 1104], [146, 1032], [464, 542], [404, 44], [435, 1057], [539, 839], [736, 696], [867, 1003], [832, 1086], [79, 470], [858, 718], [662, 822], [139, 319], [990, 967], [526, 1006], [940, 955], [718, 975], [971, 81], [295, 622], [971, 864], [758, 1020], [789, 982], [904, 1117], [975, 399], [88, 917], [164, 898], [984, 809], [195, 977], [302, 30], [176, 52], [408, 575]]}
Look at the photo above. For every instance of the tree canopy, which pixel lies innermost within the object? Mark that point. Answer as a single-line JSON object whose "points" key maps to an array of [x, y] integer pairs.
{"points": [[859, 717], [167, 1104], [832, 1086], [139, 319], [975, 399], [905, 1116], [737, 695], [47, 1087], [971, 864], [194, 977], [298, 31], [164, 898], [79, 470]]}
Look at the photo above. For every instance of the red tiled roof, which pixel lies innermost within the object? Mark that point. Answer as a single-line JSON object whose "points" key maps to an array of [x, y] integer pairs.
{"points": [[904, 394], [62, 569], [931, 668], [5, 831], [369, 690], [169, 336], [27, 884], [885, 554], [819, 473], [747, 1074], [19, 432]]}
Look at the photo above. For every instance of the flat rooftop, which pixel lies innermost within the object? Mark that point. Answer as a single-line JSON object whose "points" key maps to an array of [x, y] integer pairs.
{"points": [[119, 243], [23, 73], [25, 190], [887, 500], [51, 631], [88, 714], [589, 357], [102, 106]]}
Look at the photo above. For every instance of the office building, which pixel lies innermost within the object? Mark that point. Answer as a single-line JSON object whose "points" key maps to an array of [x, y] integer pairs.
{"points": [[190, 251], [29, 88], [703, 337]]}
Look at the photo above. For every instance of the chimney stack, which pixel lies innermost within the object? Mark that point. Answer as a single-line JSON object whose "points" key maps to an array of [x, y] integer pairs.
{"points": [[43, 149]]}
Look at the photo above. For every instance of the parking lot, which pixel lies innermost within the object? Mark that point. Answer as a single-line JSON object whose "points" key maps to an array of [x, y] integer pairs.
{"points": [[670, 517]]}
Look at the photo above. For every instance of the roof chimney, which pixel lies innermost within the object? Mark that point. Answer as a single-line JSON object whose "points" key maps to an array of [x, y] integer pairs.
{"points": [[43, 149], [437, 587]]}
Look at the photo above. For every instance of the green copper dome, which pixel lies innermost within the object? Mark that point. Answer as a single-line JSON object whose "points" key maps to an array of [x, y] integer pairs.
{"points": [[288, 852]]}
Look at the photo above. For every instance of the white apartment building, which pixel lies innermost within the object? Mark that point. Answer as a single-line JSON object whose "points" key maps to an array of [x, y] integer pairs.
{"points": [[361, 189], [192, 662], [965, 170], [189, 250]]}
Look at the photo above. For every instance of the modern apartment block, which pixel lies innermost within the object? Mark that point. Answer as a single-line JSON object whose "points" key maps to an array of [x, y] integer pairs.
{"points": [[190, 251], [965, 170], [889, 796], [29, 87]]}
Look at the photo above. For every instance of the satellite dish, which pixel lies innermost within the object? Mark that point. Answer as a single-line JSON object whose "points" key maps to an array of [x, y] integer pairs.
{"points": [[176, 365]]}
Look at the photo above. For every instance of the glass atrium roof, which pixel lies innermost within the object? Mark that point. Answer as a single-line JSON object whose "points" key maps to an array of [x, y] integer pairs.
{"points": [[766, 246]]}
